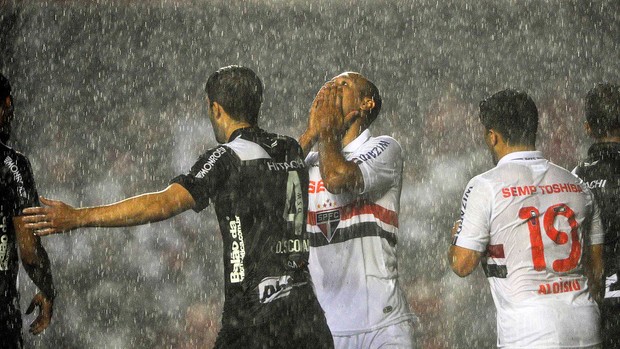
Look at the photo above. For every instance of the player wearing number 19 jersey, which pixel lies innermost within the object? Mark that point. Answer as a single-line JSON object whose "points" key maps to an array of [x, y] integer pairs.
{"points": [[537, 231]]}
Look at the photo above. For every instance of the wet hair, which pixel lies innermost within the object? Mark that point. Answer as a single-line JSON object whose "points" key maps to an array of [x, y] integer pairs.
{"points": [[370, 90], [603, 109], [513, 114], [5, 87], [238, 90]]}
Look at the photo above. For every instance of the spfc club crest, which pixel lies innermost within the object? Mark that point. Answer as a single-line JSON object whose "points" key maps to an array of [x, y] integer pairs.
{"points": [[328, 222]]}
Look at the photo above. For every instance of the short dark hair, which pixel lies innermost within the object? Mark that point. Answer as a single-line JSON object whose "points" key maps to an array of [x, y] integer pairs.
{"points": [[370, 90], [238, 90], [5, 87], [603, 109], [513, 114]]}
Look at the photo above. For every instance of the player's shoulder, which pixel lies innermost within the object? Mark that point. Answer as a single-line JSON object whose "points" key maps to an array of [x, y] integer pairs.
{"points": [[245, 149], [312, 159], [486, 181], [564, 174], [387, 141], [10, 155], [381, 147]]}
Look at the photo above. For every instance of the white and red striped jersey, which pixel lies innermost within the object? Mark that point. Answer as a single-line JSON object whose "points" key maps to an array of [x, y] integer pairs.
{"points": [[353, 240], [533, 221]]}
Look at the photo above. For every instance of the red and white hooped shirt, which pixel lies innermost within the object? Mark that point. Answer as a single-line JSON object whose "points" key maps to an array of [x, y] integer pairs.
{"points": [[353, 240]]}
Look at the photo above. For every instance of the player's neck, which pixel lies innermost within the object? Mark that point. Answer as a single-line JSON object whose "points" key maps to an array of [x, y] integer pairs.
{"points": [[508, 149], [234, 126], [352, 133]]}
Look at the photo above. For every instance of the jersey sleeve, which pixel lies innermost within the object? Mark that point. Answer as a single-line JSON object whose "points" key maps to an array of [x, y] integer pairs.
{"points": [[381, 164], [476, 205], [207, 176], [596, 233], [26, 188]]}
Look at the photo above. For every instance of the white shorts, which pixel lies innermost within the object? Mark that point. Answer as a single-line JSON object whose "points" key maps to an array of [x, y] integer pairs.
{"points": [[397, 336]]}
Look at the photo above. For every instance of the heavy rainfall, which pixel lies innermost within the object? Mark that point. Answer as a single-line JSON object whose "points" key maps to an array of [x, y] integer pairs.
{"points": [[110, 103]]}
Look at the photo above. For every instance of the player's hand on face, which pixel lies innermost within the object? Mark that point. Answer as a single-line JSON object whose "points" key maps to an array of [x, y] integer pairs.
{"points": [[328, 110], [313, 123], [53, 218], [46, 309]]}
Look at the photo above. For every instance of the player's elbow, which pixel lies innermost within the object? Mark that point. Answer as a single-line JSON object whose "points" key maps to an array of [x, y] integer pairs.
{"points": [[338, 183], [461, 270], [334, 185], [30, 258], [463, 262]]}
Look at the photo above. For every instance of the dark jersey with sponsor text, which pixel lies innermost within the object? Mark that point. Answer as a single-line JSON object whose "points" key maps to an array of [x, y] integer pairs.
{"points": [[601, 173], [17, 191], [258, 183]]}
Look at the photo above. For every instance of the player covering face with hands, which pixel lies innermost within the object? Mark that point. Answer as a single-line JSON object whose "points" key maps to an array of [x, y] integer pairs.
{"points": [[353, 200]]}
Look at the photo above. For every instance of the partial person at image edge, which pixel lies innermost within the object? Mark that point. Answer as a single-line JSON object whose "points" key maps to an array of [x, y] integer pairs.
{"points": [[601, 173], [18, 191]]}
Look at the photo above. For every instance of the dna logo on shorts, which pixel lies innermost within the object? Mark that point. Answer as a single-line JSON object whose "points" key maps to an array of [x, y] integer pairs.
{"points": [[274, 287]]}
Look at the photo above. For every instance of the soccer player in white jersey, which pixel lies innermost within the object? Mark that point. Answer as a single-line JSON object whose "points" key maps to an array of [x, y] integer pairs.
{"points": [[537, 232], [354, 193]]}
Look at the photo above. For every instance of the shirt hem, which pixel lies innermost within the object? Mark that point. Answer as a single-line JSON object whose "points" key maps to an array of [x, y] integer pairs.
{"points": [[397, 320]]}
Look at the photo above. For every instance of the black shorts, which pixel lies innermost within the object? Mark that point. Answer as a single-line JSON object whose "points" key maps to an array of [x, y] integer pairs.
{"points": [[302, 327], [11, 334], [610, 324]]}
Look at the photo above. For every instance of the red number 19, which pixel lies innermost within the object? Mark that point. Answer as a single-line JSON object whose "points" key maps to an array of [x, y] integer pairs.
{"points": [[559, 237]]}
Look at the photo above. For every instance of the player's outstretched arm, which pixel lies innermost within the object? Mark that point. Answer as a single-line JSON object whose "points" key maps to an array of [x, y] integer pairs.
{"points": [[339, 175], [57, 217], [37, 265]]}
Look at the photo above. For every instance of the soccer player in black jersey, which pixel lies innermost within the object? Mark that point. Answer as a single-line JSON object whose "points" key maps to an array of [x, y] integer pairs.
{"points": [[258, 184], [601, 172], [17, 191]]}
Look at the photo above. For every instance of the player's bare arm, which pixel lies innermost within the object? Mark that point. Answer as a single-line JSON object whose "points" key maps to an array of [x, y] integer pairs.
{"points": [[463, 261], [339, 175], [37, 264], [594, 270], [57, 217]]}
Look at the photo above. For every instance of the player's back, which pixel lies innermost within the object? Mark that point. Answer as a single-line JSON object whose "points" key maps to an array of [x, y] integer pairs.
{"points": [[540, 224], [262, 211]]}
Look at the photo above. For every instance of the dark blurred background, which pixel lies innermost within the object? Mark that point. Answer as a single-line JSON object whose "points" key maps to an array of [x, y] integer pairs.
{"points": [[109, 103]]}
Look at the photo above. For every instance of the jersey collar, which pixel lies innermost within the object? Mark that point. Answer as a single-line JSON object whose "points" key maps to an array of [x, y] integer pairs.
{"points": [[357, 142], [521, 156], [241, 131]]}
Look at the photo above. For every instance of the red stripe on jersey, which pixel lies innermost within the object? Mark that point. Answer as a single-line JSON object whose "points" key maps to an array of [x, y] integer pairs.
{"points": [[496, 251], [360, 207]]}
